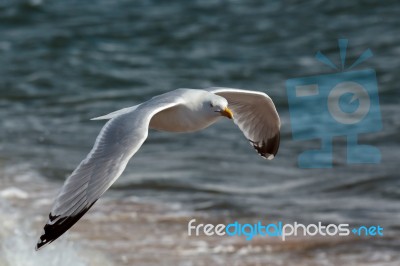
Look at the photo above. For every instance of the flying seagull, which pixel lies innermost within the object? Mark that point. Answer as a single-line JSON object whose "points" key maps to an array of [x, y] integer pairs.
{"points": [[181, 110]]}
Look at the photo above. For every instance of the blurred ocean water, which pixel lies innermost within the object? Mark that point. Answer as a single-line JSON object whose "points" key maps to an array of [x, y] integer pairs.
{"points": [[64, 62]]}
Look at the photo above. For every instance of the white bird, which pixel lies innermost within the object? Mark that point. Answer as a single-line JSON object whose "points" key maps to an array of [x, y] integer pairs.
{"points": [[181, 110]]}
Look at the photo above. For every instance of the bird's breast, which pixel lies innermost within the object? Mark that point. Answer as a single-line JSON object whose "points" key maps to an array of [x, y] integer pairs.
{"points": [[180, 119]]}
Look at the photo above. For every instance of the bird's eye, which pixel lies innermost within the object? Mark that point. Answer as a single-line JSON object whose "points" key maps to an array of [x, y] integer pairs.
{"points": [[211, 105]]}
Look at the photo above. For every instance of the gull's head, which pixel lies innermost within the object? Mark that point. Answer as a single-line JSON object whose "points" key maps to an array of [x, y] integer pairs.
{"points": [[218, 106]]}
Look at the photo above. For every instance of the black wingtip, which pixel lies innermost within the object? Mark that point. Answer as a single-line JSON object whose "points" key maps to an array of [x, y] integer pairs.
{"points": [[273, 144], [268, 149], [48, 234], [57, 225], [42, 242]]}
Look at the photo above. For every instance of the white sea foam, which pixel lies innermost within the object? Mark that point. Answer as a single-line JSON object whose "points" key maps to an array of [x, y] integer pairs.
{"points": [[18, 241], [19, 211], [13, 192]]}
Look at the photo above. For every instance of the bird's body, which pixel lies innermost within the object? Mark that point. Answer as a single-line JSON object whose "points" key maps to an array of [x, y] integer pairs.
{"points": [[190, 115], [182, 110]]}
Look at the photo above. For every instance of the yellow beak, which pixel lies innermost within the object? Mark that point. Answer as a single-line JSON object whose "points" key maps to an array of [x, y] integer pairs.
{"points": [[227, 112]]}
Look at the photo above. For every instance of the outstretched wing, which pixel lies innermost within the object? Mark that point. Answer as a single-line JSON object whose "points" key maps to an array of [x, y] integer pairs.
{"points": [[256, 116], [119, 139]]}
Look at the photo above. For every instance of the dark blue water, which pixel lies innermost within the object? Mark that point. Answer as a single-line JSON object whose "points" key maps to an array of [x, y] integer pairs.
{"points": [[64, 62]]}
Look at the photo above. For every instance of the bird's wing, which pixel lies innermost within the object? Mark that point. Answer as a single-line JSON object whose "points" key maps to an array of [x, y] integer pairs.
{"points": [[256, 116], [119, 139]]}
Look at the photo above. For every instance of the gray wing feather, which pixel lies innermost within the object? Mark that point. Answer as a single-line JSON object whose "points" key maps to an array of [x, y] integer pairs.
{"points": [[255, 114], [119, 139]]}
